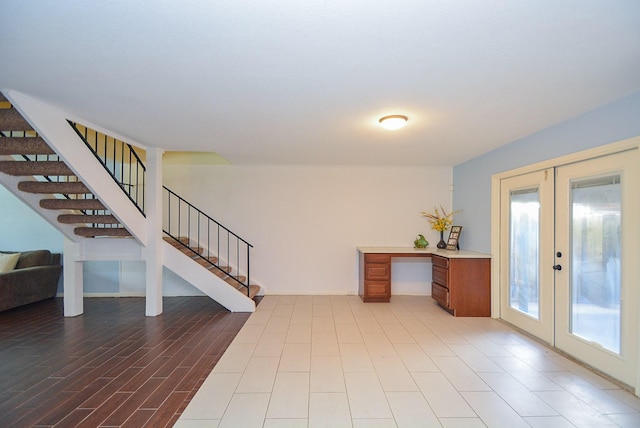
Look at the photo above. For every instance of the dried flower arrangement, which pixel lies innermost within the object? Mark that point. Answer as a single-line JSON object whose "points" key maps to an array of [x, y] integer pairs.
{"points": [[439, 219]]}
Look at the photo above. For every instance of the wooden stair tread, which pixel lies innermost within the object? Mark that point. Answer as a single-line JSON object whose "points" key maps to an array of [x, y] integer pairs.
{"points": [[20, 168], [24, 146], [176, 242], [221, 271], [190, 251], [92, 232], [87, 218], [233, 280], [253, 290], [62, 187], [206, 261], [72, 204], [12, 120]]}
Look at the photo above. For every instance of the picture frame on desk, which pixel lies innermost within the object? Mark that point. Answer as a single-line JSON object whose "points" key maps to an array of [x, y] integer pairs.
{"points": [[454, 236]]}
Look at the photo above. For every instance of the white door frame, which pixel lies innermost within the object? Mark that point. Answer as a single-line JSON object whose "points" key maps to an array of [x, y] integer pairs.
{"points": [[630, 144]]}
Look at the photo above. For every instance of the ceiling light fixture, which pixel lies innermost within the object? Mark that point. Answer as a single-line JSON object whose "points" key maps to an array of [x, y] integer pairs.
{"points": [[393, 122]]}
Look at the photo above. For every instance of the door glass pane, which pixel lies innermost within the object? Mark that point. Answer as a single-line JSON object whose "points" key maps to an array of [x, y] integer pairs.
{"points": [[595, 260], [524, 248]]}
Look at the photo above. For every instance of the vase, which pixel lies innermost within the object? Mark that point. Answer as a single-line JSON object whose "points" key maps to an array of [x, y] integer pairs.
{"points": [[441, 244]]}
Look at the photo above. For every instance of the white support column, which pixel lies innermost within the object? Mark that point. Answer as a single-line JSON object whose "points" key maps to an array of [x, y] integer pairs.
{"points": [[153, 250], [73, 279]]}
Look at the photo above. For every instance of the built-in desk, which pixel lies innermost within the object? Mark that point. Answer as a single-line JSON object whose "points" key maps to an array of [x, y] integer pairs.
{"points": [[461, 280]]}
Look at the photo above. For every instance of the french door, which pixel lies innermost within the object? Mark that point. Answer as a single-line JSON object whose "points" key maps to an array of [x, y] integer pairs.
{"points": [[526, 231], [569, 267]]}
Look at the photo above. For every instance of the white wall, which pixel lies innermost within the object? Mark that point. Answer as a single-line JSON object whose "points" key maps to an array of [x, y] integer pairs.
{"points": [[305, 222]]}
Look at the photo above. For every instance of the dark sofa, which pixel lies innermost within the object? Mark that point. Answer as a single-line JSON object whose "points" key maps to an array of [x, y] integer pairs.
{"points": [[34, 278]]}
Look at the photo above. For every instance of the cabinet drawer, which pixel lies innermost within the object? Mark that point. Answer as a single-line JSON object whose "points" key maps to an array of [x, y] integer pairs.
{"points": [[377, 271], [440, 275], [377, 258], [440, 294], [376, 288], [440, 261]]}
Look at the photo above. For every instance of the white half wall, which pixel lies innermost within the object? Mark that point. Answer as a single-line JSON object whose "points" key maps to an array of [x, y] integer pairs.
{"points": [[305, 222]]}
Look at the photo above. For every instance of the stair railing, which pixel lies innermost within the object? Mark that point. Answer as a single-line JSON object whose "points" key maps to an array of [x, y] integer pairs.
{"points": [[182, 220], [119, 159], [191, 227]]}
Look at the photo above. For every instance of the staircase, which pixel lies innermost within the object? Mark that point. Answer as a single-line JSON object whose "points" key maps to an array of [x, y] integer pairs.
{"points": [[198, 255], [210, 244], [26, 155], [35, 169]]}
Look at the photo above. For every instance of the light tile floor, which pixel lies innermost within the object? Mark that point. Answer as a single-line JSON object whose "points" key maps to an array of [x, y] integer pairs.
{"points": [[334, 361]]}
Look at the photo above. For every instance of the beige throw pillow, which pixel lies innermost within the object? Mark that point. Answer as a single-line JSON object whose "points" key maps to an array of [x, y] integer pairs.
{"points": [[8, 262]]}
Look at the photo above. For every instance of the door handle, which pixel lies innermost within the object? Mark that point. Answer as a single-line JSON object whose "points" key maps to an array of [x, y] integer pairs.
{"points": [[557, 267]]}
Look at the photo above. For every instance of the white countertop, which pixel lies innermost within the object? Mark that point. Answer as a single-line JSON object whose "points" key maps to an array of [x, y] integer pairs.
{"points": [[452, 254]]}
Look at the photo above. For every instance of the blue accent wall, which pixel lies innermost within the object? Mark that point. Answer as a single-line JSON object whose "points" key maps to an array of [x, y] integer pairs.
{"points": [[613, 122]]}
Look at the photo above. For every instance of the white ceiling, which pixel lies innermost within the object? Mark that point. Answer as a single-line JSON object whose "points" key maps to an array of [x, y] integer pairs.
{"points": [[293, 81]]}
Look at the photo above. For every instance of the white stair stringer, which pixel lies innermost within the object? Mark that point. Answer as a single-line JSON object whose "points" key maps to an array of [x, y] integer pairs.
{"points": [[205, 281]]}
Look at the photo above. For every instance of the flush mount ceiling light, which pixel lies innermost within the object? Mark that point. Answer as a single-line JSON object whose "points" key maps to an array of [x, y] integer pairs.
{"points": [[393, 122]]}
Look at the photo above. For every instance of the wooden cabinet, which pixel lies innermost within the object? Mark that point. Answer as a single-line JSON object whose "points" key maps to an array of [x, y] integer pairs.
{"points": [[375, 277], [461, 280], [462, 286]]}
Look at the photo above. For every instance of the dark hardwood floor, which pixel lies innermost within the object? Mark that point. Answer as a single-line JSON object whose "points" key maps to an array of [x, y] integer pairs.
{"points": [[111, 366]]}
